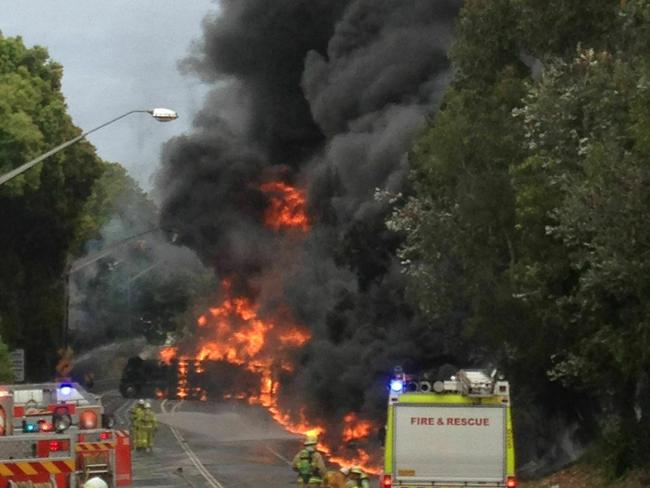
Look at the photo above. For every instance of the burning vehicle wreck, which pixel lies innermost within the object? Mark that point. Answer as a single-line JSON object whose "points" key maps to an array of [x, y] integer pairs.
{"points": [[240, 353], [153, 378]]}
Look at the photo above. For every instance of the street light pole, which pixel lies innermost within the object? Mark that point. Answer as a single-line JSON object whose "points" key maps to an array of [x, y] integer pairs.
{"points": [[160, 114]]}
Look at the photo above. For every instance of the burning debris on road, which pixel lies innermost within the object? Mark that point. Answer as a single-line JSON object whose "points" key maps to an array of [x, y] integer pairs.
{"points": [[314, 107], [264, 349]]}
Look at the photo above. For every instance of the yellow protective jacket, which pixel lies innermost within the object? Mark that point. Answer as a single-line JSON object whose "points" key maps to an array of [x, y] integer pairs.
{"points": [[149, 421], [358, 483], [136, 415], [310, 466]]}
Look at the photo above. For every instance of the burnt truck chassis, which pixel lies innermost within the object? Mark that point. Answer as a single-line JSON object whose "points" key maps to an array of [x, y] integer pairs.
{"points": [[150, 378]]}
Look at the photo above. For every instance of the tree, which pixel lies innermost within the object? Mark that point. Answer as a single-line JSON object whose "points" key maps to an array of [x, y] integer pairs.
{"points": [[116, 195], [527, 234], [584, 204], [554, 28], [487, 42], [459, 225], [40, 210]]}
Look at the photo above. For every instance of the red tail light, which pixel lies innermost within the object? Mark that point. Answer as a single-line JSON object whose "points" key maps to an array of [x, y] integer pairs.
{"points": [[88, 419], [387, 482], [105, 435], [511, 482], [54, 446]]}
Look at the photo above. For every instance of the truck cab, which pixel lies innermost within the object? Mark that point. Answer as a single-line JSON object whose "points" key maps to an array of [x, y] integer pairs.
{"points": [[449, 433], [56, 434]]}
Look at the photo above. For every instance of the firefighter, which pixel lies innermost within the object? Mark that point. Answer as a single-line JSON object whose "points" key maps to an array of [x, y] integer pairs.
{"points": [[137, 409], [136, 414], [309, 464], [356, 478], [95, 482], [149, 426]]}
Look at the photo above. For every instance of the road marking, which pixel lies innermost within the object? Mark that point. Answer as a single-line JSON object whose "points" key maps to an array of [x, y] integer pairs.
{"points": [[185, 446], [176, 406]]}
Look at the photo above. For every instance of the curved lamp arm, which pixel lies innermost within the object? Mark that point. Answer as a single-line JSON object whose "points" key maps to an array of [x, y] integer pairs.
{"points": [[160, 114]]}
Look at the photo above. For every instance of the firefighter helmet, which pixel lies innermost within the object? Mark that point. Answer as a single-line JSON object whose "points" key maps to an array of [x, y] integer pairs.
{"points": [[311, 440], [95, 482], [147, 405], [141, 402], [356, 470]]}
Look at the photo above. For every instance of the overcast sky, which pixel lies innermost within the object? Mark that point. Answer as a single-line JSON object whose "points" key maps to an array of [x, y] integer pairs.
{"points": [[118, 55]]}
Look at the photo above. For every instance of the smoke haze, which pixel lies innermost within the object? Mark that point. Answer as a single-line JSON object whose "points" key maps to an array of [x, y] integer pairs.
{"points": [[326, 95]]}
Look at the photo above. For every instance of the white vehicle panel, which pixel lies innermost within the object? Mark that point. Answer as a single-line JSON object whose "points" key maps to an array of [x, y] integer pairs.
{"points": [[449, 443], [24, 396]]}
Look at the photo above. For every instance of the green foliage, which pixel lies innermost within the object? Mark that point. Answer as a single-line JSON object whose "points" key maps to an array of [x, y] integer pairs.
{"points": [[594, 204], [488, 31], [598, 176], [635, 31], [459, 233], [556, 27], [40, 210], [116, 195], [528, 230]]}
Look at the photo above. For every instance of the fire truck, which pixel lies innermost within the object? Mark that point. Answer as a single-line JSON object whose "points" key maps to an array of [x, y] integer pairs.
{"points": [[449, 433], [56, 435]]}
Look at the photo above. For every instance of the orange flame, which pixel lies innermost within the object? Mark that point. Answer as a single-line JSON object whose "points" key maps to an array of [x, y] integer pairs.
{"points": [[182, 388], [167, 354], [355, 429], [235, 332], [238, 344], [294, 337], [287, 208]]}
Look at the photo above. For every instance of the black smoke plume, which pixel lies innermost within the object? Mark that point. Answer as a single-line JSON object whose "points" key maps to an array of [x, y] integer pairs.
{"points": [[326, 95]]}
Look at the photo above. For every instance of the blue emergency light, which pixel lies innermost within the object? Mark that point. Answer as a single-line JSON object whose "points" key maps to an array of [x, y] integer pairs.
{"points": [[396, 385], [65, 389]]}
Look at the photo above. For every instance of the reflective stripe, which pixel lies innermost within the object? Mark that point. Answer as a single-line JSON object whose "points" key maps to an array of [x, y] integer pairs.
{"points": [[27, 468], [95, 446], [36, 468], [51, 467], [312, 479], [510, 445]]}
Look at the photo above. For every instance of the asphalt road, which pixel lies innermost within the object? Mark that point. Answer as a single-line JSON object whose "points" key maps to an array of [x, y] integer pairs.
{"points": [[213, 445]]}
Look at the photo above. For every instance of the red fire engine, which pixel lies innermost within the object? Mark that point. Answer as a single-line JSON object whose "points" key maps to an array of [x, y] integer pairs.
{"points": [[56, 434]]}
